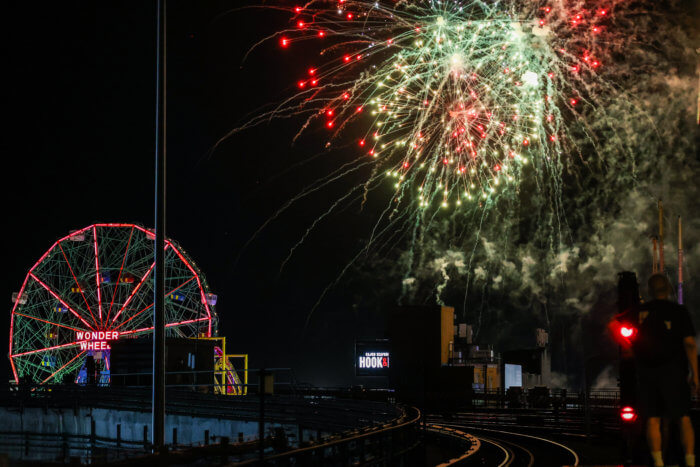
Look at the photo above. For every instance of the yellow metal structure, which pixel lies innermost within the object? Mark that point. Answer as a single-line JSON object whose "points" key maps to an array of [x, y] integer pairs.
{"points": [[447, 322], [226, 378], [244, 357]]}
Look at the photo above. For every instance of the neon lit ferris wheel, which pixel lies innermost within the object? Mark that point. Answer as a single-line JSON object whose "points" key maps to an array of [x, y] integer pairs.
{"points": [[93, 286]]}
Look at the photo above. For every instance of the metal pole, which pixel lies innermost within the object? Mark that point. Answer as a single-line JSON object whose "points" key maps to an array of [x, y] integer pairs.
{"points": [[680, 261], [159, 269], [661, 237], [261, 421]]}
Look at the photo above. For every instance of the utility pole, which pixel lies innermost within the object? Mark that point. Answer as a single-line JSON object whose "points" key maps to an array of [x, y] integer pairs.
{"points": [[680, 261], [158, 436], [661, 237], [262, 388]]}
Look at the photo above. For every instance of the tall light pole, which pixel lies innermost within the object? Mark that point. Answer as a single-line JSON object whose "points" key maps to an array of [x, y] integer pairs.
{"points": [[158, 436]]}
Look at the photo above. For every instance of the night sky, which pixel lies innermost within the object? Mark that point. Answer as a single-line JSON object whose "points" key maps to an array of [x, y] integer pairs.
{"points": [[81, 147]]}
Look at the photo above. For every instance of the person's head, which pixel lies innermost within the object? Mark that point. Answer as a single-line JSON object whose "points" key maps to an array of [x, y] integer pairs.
{"points": [[659, 287]]}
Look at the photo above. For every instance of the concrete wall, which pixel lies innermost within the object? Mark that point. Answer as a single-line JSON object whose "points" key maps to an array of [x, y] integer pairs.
{"points": [[190, 429]]}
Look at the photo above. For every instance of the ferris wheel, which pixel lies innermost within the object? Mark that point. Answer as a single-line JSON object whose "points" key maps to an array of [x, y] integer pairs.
{"points": [[94, 286]]}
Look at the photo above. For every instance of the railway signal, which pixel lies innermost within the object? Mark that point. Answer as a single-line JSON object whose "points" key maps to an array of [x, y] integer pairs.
{"points": [[625, 332], [628, 414]]}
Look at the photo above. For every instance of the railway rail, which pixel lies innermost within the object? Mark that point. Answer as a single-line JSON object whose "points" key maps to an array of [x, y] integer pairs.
{"points": [[505, 448], [600, 422]]}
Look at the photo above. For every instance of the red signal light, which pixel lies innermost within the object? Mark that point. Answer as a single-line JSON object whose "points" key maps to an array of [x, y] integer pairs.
{"points": [[628, 414], [627, 331]]}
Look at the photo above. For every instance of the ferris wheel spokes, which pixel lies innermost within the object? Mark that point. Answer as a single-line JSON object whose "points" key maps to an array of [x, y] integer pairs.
{"points": [[77, 284], [48, 289], [64, 366], [151, 305], [121, 270], [133, 292], [98, 283]]}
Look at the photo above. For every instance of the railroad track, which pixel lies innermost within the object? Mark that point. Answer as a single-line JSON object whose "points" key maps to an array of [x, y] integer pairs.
{"points": [[602, 423], [509, 449]]}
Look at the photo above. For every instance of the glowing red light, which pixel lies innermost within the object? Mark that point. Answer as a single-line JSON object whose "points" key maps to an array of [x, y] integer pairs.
{"points": [[596, 29], [390, 41], [602, 12], [628, 414], [405, 165], [358, 57], [541, 22], [547, 9], [550, 74], [329, 124], [346, 58], [314, 82], [525, 142], [362, 142], [445, 161], [359, 109], [297, 9], [595, 63], [497, 168], [553, 137], [573, 101], [321, 33], [300, 24], [575, 68], [312, 71], [284, 42], [329, 112], [301, 84], [349, 16], [346, 96], [371, 152], [627, 331]]}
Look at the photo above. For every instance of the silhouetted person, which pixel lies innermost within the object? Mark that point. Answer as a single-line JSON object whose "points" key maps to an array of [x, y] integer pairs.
{"points": [[664, 351]]}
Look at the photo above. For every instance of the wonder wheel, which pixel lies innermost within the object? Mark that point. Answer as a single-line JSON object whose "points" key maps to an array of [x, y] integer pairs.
{"points": [[94, 286]]}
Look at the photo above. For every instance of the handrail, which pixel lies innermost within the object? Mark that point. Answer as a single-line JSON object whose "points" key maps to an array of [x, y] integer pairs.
{"points": [[475, 443]]}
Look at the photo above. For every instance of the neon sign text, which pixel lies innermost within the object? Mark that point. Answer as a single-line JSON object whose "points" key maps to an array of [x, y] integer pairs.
{"points": [[374, 360], [95, 340]]}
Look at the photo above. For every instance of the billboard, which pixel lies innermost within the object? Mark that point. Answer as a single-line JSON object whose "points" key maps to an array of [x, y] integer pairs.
{"points": [[372, 357]]}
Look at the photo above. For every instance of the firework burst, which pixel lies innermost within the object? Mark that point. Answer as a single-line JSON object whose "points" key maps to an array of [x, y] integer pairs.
{"points": [[450, 100], [531, 124]]}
